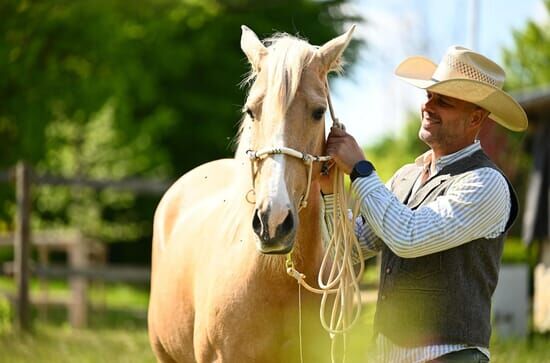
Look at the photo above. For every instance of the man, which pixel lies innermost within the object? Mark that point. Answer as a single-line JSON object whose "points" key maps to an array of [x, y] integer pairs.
{"points": [[439, 223]]}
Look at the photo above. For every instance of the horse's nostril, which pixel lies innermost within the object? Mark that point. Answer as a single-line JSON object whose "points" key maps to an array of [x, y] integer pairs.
{"points": [[288, 224], [257, 223]]}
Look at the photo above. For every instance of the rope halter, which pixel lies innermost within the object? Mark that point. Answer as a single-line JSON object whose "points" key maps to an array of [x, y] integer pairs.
{"points": [[308, 160]]}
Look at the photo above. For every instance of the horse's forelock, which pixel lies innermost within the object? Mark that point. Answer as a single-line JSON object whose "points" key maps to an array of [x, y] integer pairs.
{"points": [[288, 56]]}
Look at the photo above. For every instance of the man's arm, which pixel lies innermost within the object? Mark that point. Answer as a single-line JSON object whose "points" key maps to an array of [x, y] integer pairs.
{"points": [[477, 205]]}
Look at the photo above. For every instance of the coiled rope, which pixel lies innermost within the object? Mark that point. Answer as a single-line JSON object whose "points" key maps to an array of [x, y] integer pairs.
{"points": [[338, 276]]}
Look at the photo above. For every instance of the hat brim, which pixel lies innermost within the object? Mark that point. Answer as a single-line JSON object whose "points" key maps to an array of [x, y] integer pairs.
{"points": [[504, 109]]}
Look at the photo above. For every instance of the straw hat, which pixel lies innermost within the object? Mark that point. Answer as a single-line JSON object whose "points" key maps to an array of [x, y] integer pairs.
{"points": [[468, 76]]}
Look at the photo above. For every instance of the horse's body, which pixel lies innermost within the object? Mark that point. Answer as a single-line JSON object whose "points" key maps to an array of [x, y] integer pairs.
{"points": [[224, 300], [214, 296]]}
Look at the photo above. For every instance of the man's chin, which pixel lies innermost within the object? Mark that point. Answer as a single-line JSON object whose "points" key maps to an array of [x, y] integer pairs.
{"points": [[425, 135]]}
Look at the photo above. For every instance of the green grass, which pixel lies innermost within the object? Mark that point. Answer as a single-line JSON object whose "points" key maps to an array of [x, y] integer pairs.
{"points": [[59, 344], [535, 349], [116, 335], [117, 328]]}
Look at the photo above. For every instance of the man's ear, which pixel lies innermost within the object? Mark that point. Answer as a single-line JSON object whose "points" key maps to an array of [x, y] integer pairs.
{"points": [[252, 47], [331, 51], [478, 116]]}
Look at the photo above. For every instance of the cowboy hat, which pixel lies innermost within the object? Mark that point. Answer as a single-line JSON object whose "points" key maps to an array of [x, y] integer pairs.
{"points": [[470, 77]]}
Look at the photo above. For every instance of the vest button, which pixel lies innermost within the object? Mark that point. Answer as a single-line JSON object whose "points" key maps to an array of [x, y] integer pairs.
{"points": [[388, 270], [383, 297]]}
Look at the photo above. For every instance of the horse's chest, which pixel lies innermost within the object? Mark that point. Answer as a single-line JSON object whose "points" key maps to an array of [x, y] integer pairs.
{"points": [[243, 327]]}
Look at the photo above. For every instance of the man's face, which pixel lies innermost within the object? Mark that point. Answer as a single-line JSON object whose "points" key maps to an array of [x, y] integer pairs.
{"points": [[446, 125]]}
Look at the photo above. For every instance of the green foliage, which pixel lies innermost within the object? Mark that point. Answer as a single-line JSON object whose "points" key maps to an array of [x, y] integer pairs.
{"points": [[527, 62], [393, 151], [517, 252], [108, 89]]}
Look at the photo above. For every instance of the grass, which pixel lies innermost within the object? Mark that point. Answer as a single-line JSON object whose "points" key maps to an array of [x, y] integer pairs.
{"points": [[117, 328], [535, 349], [59, 344], [116, 335]]}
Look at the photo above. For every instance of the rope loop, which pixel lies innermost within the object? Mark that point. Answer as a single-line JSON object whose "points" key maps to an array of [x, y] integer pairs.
{"points": [[247, 196]]}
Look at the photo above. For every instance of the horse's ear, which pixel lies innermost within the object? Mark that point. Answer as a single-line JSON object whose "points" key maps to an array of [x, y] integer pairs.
{"points": [[252, 47], [331, 51]]}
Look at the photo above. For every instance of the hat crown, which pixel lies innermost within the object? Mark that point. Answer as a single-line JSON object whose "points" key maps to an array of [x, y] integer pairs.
{"points": [[462, 63]]}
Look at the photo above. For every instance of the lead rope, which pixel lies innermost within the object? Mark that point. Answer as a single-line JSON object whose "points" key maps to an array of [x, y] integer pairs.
{"points": [[343, 280]]}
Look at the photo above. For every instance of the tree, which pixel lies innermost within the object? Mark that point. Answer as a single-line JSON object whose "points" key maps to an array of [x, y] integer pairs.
{"points": [[112, 88], [527, 61]]}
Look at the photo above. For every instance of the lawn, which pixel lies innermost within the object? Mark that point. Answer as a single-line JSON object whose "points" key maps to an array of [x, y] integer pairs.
{"points": [[59, 344], [118, 334]]}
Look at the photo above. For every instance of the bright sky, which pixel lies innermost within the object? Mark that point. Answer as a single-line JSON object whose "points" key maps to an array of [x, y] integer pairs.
{"points": [[371, 101]]}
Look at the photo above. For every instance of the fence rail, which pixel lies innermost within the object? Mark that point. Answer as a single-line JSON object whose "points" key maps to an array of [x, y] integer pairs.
{"points": [[106, 273]]}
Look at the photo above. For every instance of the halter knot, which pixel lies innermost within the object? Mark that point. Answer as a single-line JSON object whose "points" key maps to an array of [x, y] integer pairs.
{"points": [[308, 159], [251, 154]]}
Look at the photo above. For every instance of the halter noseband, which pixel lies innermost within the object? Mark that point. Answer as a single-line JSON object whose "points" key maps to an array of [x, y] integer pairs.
{"points": [[308, 160]]}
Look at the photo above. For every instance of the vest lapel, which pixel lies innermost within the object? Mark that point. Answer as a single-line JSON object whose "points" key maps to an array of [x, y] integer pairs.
{"points": [[424, 190], [406, 182]]}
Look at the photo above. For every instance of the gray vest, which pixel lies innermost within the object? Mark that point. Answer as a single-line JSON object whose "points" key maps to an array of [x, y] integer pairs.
{"points": [[445, 297]]}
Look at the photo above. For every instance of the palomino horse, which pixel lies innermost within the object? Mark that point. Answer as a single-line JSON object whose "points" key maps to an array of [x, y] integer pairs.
{"points": [[219, 291]]}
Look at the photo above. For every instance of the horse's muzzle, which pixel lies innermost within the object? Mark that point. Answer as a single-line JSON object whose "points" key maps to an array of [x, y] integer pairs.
{"points": [[279, 242]]}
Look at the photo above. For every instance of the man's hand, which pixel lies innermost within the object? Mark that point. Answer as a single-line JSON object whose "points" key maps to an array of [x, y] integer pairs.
{"points": [[344, 149]]}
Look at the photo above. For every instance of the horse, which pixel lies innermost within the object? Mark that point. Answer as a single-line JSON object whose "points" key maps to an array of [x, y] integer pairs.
{"points": [[219, 288]]}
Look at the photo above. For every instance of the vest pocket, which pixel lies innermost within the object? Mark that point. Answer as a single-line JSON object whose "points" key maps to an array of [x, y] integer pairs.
{"points": [[422, 273], [421, 267]]}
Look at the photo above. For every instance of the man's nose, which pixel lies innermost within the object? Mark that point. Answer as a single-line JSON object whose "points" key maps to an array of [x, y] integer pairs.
{"points": [[428, 104]]}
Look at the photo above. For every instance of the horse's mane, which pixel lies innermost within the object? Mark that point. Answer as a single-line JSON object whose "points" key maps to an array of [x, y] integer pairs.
{"points": [[287, 58]]}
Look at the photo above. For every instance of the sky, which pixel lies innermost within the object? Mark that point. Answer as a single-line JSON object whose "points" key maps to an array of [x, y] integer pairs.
{"points": [[370, 100]]}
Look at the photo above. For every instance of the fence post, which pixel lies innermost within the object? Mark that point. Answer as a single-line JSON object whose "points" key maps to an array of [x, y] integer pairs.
{"points": [[78, 259], [22, 245]]}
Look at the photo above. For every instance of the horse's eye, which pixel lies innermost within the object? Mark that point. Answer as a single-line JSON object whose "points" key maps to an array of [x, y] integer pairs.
{"points": [[249, 113], [318, 113]]}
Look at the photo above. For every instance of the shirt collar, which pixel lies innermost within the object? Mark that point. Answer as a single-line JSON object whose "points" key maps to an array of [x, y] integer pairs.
{"points": [[425, 160]]}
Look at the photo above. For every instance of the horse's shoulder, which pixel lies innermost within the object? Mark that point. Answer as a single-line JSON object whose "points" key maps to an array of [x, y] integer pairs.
{"points": [[211, 180]]}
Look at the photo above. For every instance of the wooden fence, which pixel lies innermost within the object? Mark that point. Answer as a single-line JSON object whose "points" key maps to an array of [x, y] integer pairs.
{"points": [[78, 247]]}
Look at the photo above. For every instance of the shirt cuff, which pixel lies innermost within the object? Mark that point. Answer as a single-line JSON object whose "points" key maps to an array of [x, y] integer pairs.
{"points": [[364, 186]]}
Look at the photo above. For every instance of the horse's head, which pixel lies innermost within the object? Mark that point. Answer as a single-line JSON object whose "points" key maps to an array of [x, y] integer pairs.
{"points": [[285, 108]]}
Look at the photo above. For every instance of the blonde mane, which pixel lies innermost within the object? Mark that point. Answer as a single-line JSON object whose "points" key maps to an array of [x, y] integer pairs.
{"points": [[287, 57]]}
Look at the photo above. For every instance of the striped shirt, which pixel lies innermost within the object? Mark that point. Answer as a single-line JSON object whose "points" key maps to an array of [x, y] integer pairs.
{"points": [[449, 221]]}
